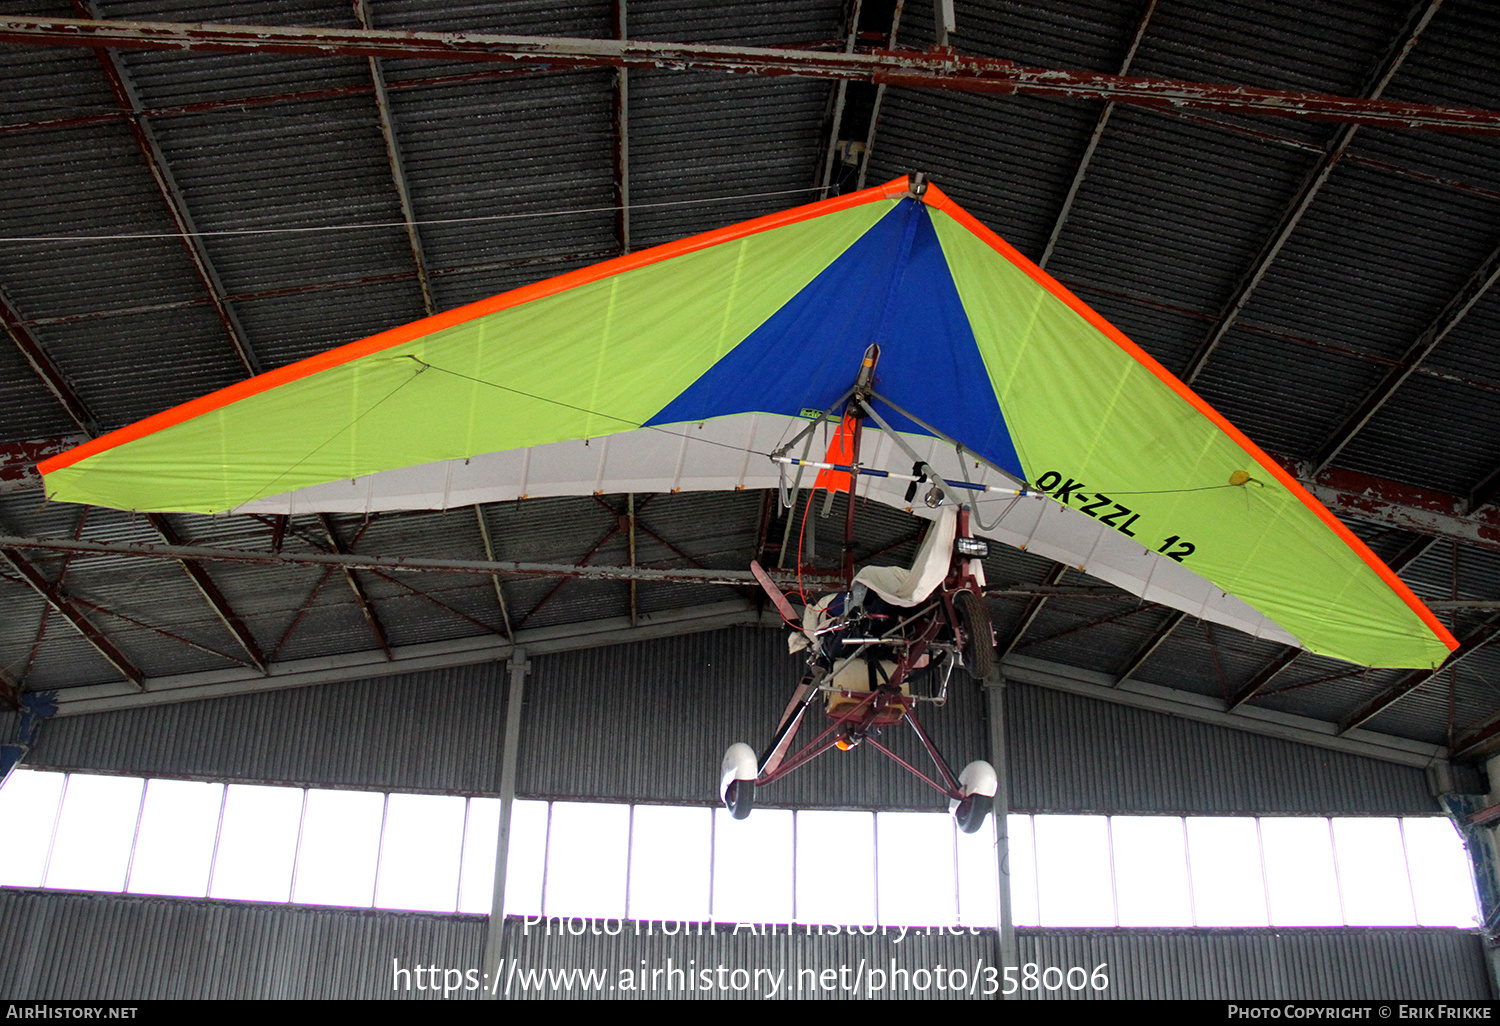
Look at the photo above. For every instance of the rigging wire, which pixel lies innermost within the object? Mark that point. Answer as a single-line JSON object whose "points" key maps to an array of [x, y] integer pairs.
{"points": [[592, 413], [340, 431]]}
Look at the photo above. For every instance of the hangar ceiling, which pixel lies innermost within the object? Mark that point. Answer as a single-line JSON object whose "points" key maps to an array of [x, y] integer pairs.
{"points": [[1291, 206]]}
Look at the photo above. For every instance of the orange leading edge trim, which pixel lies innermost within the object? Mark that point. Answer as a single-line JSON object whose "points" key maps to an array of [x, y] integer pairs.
{"points": [[408, 332], [938, 200]]}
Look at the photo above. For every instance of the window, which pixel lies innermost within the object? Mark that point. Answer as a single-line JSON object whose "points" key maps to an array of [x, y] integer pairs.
{"points": [[693, 864], [174, 847], [587, 860], [258, 835], [95, 833], [671, 850]]}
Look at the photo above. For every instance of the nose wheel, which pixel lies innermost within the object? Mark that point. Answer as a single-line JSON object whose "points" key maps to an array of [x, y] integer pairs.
{"points": [[970, 813], [979, 783], [737, 780], [739, 797]]}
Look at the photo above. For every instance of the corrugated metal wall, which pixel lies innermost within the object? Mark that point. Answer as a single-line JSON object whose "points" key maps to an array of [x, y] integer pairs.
{"points": [[650, 721], [82, 946], [1074, 754], [74, 946], [433, 731], [1342, 964]]}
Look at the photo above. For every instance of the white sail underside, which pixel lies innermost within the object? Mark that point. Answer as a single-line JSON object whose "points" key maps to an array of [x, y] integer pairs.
{"points": [[727, 454]]}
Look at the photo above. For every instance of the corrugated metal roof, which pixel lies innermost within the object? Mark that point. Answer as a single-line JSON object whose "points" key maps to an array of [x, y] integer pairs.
{"points": [[698, 136]]}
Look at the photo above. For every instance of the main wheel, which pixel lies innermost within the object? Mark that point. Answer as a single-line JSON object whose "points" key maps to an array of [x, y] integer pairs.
{"points": [[739, 796], [971, 812], [979, 634]]}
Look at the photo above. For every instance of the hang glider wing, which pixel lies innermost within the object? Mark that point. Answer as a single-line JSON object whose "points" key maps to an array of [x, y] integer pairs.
{"points": [[681, 367]]}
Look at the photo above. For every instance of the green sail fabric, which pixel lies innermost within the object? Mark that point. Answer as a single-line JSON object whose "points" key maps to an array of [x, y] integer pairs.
{"points": [[603, 357], [1084, 410]]}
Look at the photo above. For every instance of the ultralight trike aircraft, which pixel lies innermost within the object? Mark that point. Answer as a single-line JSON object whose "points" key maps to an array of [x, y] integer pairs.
{"points": [[864, 644], [697, 365]]}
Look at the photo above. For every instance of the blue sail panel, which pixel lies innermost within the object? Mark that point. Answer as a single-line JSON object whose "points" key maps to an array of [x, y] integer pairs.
{"points": [[893, 288]]}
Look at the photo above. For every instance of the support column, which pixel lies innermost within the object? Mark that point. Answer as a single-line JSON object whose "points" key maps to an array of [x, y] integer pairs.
{"points": [[994, 694], [519, 667]]}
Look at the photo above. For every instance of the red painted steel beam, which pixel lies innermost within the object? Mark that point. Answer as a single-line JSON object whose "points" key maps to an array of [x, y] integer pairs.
{"points": [[620, 524], [621, 97], [41, 363], [312, 95], [1285, 658], [1472, 641], [1478, 741], [852, 9], [1151, 644], [18, 460], [1087, 625], [1088, 151], [885, 41], [1032, 611], [910, 69], [211, 594], [1484, 492], [63, 605], [1478, 283], [259, 100], [417, 564], [398, 169], [1413, 551], [1395, 504], [171, 196], [360, 598], [1316, 178]]}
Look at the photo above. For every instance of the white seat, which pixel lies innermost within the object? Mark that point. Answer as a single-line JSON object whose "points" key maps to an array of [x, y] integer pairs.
{"points": [[902, 587]]}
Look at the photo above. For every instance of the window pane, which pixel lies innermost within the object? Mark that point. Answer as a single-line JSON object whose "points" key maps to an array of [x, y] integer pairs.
{"points": [[1224, 855], [420, 850], [1299, 872], [753, 867], [340, 844], [1073, 882], [174, 847], [1372, 873], [526, 865], [669, 863], [836, 867], [586, 860], [918, 880], [1441, 877], [28, 808], [977, 877], [95, 832], [257, 843], [476, 886], [1151, 873]]}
